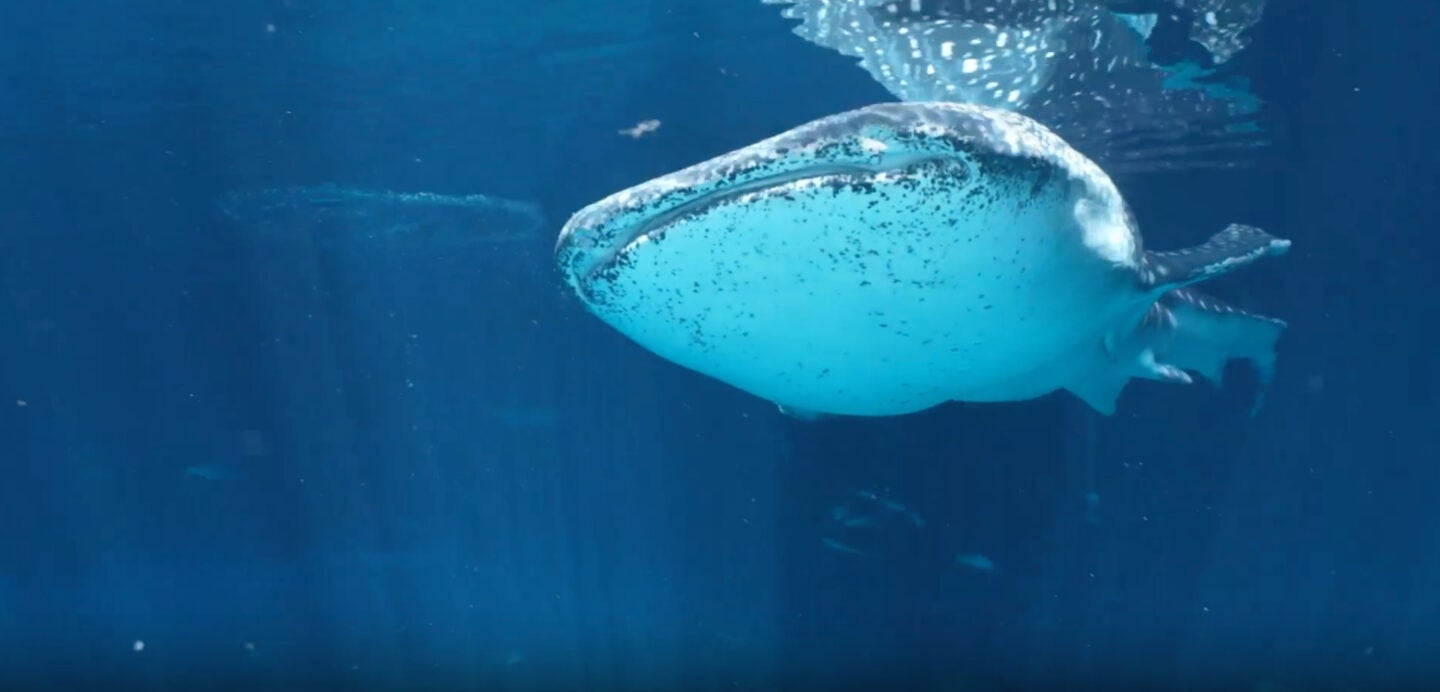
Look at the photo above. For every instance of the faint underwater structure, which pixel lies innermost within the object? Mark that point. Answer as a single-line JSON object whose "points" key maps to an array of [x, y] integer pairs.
{"points": [[1081, 67], [438, 221]]}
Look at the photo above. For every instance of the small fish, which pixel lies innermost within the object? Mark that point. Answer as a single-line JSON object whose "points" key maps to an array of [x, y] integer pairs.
{"points": [[975, 561], [883, 506], [640, 129], [839, 547], [903, 511]]}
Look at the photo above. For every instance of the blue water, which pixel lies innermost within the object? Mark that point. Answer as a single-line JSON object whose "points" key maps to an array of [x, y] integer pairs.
{"points": [[297, 454]]}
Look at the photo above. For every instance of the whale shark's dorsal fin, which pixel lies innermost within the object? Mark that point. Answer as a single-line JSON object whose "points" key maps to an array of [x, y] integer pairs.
{"points": [[1226, 251]]}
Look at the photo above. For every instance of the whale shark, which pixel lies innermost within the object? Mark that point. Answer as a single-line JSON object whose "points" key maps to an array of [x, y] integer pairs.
{"points": [[889, 259], [1084, 68]]}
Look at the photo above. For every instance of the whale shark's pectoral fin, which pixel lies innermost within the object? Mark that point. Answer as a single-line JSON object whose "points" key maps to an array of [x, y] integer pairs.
{"points": [[1226, 251], [1184, 332], [1197, 333], [1201, 334], [1101, 390]]}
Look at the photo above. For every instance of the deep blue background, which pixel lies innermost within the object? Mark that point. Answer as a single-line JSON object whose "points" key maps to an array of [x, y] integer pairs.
{"points": [[448, 472]]}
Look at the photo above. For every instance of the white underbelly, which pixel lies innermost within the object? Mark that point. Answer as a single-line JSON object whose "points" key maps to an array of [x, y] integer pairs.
{"points": [[841, 302]]}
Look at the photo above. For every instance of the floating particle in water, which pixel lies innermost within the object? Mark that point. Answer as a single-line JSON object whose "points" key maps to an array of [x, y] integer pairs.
{"points": [[642, 128], [138, 646]]}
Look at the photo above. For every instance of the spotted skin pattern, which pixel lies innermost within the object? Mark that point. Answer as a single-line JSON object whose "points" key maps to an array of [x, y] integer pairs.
{"points": [[883, 261], [1082, 67]]}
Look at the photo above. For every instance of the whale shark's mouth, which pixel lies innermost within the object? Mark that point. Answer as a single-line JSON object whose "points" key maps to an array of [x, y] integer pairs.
{"points": [[793, 182], [596, 250], [855, 156]]}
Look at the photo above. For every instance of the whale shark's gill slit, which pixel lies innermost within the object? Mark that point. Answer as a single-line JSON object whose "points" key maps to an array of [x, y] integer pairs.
{"points": [[729, 193]]}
